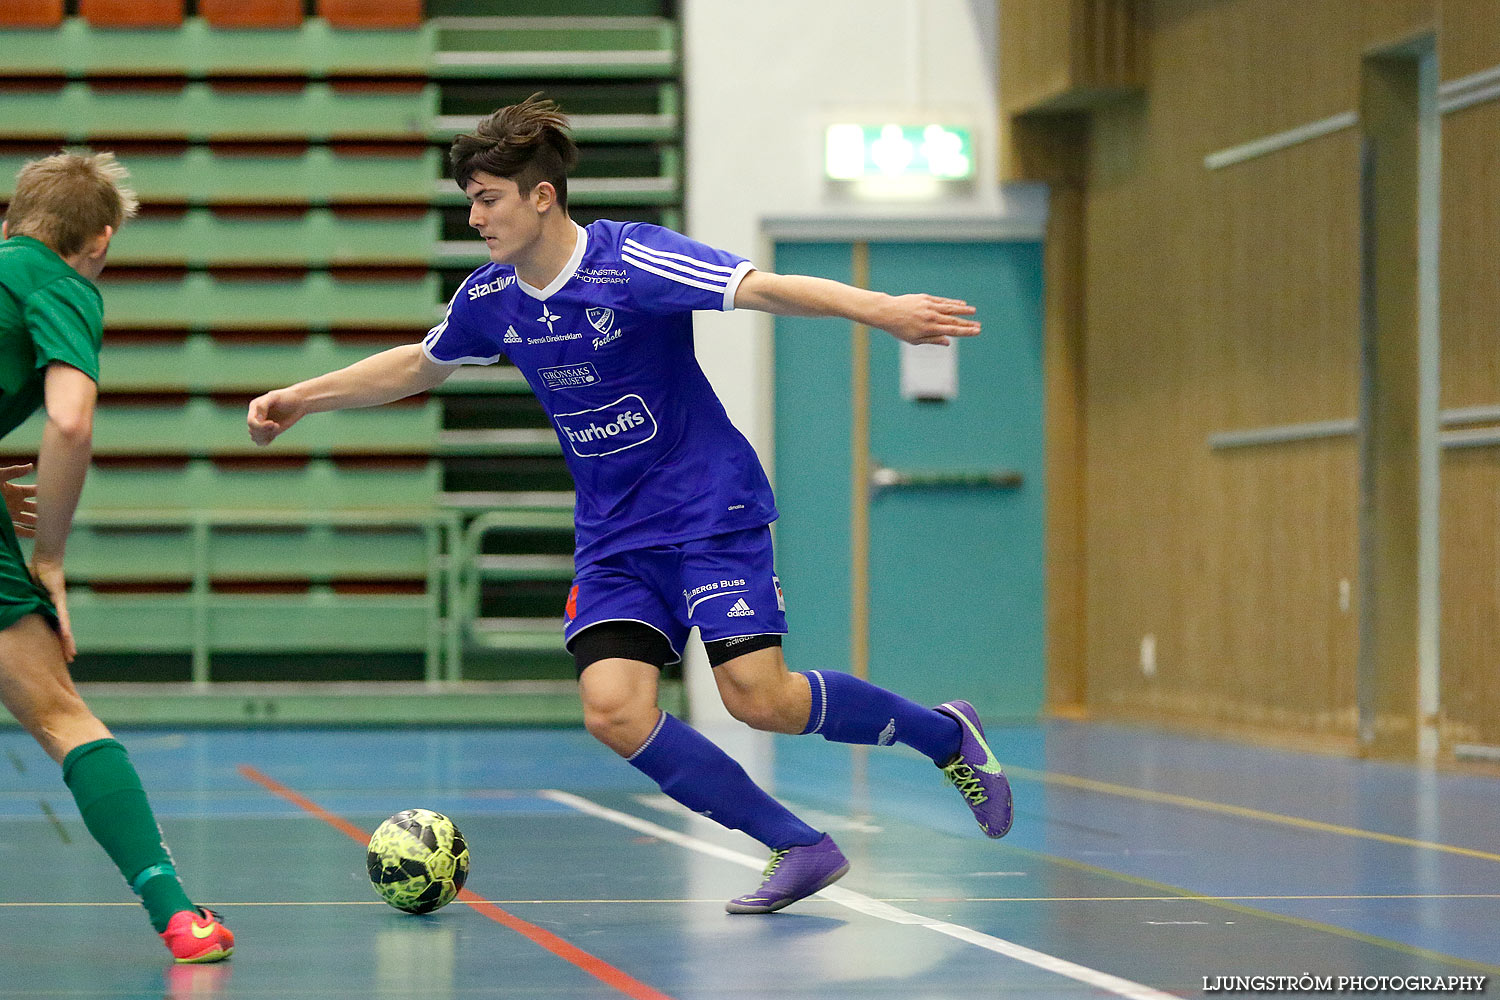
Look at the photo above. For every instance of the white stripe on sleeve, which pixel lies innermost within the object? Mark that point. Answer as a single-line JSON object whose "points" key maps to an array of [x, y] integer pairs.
{"points": [[691, 265], [717, 286]]}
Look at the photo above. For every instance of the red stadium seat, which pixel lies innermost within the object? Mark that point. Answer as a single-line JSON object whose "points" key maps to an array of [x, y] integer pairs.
{"points": [[371, 13], [31, 13], [132, 13], [251, 13]]}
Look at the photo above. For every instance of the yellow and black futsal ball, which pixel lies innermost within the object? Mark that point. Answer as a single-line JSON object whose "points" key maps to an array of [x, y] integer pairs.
{"points": [[418, 860]]}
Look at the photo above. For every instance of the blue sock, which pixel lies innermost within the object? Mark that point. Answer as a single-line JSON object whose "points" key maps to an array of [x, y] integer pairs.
{"points": [[846, 709], [695, 772]]}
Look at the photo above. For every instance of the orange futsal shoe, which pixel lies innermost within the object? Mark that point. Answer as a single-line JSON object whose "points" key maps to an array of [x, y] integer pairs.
{"points": [[198, 937]]}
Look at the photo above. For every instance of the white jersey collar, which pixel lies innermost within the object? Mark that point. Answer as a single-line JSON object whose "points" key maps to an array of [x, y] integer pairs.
{"points": [[563, 276]]}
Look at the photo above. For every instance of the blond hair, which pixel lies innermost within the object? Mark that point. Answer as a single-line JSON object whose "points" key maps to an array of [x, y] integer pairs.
{"points": [[67, 199]]}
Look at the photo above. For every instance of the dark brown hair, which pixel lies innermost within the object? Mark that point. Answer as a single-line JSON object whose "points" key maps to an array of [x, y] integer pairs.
{"points": [[67, 199], [527, 143]]}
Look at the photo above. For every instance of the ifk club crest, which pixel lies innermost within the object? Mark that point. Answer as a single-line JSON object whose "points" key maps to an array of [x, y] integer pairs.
{"points": [[600, 318]]}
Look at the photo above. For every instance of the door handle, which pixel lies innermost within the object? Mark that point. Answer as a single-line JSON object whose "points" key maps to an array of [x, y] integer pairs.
{"points": [[885, 478]]}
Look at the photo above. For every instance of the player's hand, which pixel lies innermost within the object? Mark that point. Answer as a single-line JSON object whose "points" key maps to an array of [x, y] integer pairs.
{"points": [[926, 319], [270, 415], [50, 575], [20, 499]]}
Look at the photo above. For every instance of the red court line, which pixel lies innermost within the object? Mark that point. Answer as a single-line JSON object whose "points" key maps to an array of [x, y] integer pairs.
{"points": [[596, 967]]}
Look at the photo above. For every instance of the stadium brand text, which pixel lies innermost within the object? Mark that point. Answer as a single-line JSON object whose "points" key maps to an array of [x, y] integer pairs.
{"points": [[480, 291]]}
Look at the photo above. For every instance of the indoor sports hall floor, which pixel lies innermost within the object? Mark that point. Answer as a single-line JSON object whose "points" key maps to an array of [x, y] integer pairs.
{"points": [[1141, 865]]}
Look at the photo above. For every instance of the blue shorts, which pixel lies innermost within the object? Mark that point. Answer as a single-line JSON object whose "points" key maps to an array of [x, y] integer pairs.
{"points": [[726, 585]]}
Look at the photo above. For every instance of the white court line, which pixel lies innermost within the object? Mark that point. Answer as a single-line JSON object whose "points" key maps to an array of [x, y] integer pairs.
{"points": [[861, 903]]}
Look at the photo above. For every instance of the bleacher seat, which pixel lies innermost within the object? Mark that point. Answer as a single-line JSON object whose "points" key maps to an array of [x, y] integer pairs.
{"points": [[132, 13], [265, 14], [30, 13], [296, 220], [254, 174], [364, 14]]}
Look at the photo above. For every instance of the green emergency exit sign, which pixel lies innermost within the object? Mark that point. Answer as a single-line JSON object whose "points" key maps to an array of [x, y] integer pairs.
{"points": [[863, 152]]}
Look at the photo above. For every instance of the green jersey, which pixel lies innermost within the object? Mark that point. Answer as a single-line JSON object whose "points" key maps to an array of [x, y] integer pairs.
{"points": [[48, 312]]}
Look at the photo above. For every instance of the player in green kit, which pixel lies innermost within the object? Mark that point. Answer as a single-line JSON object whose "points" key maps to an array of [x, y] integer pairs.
{"points": [[56, 233]]}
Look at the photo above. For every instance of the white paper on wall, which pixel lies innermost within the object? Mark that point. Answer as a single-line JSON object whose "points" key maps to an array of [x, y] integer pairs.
{"points": [[929, 371]]}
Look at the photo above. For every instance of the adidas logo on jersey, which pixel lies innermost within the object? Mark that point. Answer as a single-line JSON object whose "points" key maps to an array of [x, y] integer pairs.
{"points": [[511, 336], [740, 609]]}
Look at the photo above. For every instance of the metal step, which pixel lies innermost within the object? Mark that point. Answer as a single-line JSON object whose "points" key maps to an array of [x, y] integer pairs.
{"points": [[657, 190], [525, 567], [528, 702], [479, 500], [585, 128], [505, 441], [517, 635]]}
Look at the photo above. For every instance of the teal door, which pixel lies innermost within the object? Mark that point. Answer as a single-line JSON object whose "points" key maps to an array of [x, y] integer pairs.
{"points": [[955, 575]]}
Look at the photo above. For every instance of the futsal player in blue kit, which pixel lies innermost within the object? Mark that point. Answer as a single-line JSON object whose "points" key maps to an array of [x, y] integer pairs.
{"points": [[673, 508]]}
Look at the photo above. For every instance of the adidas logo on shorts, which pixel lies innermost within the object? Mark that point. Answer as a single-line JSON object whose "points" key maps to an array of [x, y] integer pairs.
{"points": [[740, 609]]}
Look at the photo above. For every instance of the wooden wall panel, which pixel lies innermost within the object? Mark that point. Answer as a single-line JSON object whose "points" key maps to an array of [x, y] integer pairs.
{"points": [[1470, 290], [1469, 39], [1223, 300], [1228, 299], [1035, 53]]}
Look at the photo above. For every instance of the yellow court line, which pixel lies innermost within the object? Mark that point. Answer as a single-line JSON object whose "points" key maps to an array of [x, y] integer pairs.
{"points": [[1187, 802]]}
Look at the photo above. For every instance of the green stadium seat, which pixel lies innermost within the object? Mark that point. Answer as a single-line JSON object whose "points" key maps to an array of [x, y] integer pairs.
{"points": [[297, 220], [241, 363], [294, 237], [281, 483], [312, 175], [318, 300], [223, 581], [555, 47], [203, 427], [205, 111], [290, 545], [202, 48], [318, 621]]}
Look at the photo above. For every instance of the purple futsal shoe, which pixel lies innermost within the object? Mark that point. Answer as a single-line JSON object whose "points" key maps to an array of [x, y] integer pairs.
{"points": [[976, 773], [794, 874]]}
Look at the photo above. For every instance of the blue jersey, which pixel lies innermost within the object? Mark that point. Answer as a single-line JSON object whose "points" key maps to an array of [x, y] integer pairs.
{"points": [[608, 349]]}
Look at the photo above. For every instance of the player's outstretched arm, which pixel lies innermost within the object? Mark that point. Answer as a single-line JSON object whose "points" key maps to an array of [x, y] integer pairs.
{"points": [[916, 319], [381, 378]]}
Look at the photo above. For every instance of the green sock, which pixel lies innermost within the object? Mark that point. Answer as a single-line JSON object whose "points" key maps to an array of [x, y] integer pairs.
{"points": [[115, 810]]}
